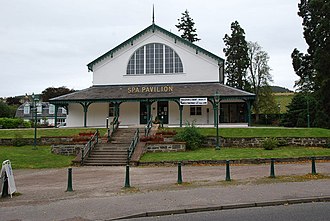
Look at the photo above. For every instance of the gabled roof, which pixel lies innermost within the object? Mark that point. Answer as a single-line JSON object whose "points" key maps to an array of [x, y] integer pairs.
{"points": [[153, 28]]}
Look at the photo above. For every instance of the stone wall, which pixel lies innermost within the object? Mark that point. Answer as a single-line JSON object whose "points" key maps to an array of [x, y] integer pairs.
{"points": [[40, 141], [165, 147], [68, 150], [256, 142]]}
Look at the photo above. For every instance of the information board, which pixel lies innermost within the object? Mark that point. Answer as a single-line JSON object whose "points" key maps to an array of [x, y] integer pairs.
{"points": [[193, 101]]}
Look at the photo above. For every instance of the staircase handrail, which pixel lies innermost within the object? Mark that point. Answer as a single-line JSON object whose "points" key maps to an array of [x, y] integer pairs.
{"points": [[148, 127], [132, 147], [115, 125], [86, 150]]}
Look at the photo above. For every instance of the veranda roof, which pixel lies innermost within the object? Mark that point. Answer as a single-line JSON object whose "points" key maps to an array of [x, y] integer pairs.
{"points": [[140, 92]]}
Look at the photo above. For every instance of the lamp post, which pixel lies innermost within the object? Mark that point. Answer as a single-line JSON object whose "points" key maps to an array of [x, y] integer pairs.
{"points": [[34, 100], [217, 100], [308, 117]]}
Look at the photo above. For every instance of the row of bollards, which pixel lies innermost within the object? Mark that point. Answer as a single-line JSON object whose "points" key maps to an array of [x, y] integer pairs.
{"points": [[179, 181]]}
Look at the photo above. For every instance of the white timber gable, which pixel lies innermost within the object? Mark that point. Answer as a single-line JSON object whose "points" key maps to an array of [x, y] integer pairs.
{"points": [[196, 66]]}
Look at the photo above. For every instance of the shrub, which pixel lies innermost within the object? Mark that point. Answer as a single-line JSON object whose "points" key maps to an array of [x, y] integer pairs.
{"points": [[19, 141], [270, 143], [191, 136], [8, 123]]}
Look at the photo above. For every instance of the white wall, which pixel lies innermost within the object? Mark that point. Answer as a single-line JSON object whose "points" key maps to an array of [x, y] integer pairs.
{"points": [[196, 67], [129, 113], [75, 117], [97, 114]]}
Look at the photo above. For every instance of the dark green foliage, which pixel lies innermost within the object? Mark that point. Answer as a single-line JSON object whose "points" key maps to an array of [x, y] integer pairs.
{"points": [[7, 123], [52, 92], [237, 61], [313, 68], [301, 105], [7, 110], [270, 143], [186, 24], [191, 136], [13, 101]]}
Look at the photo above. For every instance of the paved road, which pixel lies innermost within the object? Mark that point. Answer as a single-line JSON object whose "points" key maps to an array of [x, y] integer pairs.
{"points": [[298, 212], [99, 193]]}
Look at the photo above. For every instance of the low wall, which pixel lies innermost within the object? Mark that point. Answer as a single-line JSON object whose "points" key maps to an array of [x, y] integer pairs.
{"points": [[68, 150], [257, 142], [40, 141], [165, 147]]}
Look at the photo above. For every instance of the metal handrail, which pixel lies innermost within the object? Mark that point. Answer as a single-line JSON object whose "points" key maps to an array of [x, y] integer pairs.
{"points": [[115, 125], [86, 150], [132, 147], [148, 127]]}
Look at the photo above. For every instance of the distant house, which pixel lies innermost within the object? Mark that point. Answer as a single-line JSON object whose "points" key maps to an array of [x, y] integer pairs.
{"points": [[45, 113]]}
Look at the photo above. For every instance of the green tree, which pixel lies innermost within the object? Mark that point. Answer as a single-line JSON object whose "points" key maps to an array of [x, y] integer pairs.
{"points": [[6, 110], [313, 68], [52, 92], [186, 24], [259, 78], [237, 61]]}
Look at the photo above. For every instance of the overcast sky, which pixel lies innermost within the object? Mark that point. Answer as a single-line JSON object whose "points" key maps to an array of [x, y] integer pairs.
{"points": [[46, 43]]}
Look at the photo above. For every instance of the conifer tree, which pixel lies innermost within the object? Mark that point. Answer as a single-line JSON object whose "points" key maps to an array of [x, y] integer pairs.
{"points": [[237, 61], [186, 24]]}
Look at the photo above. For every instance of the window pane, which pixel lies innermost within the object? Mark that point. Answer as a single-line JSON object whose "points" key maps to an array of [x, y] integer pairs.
{"points": [[192, 110], [131, 65], [27, 109], [178, 64], [51, 109], [140, 61], [168, 60], [198, 110], [150, 56], [159, 58]]}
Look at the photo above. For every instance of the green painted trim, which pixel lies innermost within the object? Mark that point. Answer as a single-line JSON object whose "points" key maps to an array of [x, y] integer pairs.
{"points": [[153, 28]]}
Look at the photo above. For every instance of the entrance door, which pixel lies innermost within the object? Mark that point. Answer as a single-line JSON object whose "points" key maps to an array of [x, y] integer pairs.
{"points": [[162, 111], [143, 113]]}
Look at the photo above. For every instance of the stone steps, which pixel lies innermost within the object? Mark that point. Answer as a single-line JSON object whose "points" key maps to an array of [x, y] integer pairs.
{"points": [[113, 153]]}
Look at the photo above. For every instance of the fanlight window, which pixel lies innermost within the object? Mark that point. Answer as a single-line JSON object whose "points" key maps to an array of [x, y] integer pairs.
{"points": [[154, 58]]}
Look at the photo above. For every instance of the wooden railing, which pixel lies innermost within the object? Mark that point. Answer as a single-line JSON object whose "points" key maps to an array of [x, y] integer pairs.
{"points": [[134, 142], [112, 128], [148, 127], [86, 150]]}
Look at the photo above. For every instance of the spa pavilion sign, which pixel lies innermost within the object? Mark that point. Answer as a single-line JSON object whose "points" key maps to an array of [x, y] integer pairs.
{"points": [[156, 74]]}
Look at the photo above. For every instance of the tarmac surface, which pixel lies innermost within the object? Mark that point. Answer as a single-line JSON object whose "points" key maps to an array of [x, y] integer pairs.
{"points": [[99, 192]]}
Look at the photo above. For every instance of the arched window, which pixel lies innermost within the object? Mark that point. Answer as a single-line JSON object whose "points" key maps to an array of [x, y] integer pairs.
{"points": [[154, 58]]}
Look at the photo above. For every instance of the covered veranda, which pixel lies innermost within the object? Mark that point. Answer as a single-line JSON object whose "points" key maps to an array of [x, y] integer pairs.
{"points": [[117, 99]]}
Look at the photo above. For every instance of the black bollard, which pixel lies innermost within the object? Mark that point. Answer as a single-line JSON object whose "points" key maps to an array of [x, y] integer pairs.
{"points": [[272, 168], [127, 183], [227, 171], [69, 189], [313, 166], [179, 173]]}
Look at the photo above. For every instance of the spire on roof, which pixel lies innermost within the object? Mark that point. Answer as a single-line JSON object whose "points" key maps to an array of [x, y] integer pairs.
{"points": [[153, 14]]}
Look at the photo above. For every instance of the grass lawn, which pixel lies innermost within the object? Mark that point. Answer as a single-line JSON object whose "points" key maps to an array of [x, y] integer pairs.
{"points": [[45, 132], [235, 154], [25, 157], [264, 132]]}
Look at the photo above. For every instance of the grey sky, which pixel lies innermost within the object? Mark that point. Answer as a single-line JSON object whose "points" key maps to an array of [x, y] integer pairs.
{"points": [[47, 43]]}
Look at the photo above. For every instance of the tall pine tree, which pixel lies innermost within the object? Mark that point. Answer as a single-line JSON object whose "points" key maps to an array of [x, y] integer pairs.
{"points": [[237, 61], [186, 24]]}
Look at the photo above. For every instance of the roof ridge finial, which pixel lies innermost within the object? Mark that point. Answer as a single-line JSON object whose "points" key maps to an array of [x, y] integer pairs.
{"points": [[153, 14]]}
